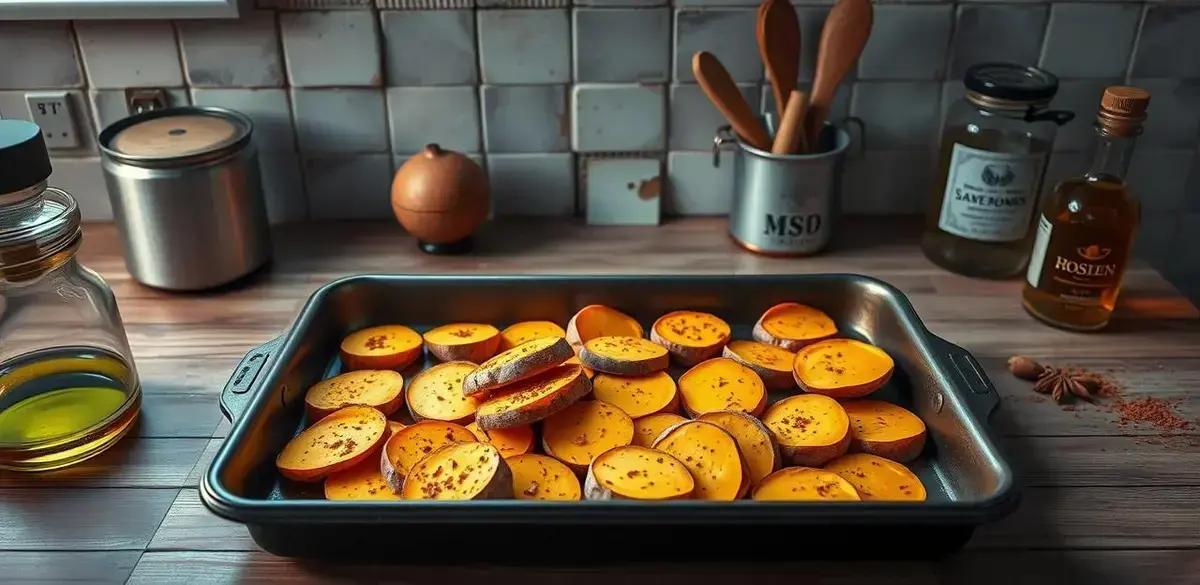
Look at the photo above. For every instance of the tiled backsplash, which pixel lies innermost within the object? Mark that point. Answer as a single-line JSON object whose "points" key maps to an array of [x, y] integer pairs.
{"points": [[568, 104]]}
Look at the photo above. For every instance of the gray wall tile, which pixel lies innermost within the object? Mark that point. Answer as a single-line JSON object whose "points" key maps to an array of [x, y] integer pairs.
{"points": [[694, 120], [887, 182], [532, 184], [1169, 45], [283, 186], [53, 45], [525, 46], [1158, 178], [898, 114], [623, 191], [399, 158], [1184, 261], [621, 3], [525, 118], [331, 48], [695, 186], [907, 42], [232, 53], [349, 187], [1090, 40], [269, 109], [448, 116], [1154, 237], [840, 108], [1007, 32], [1173, 119], [340, 120], [119, 53], [430, 47], [618, 117], [727, 33], [536, 4], [621, 45], [83, 178], [1081, 96]]}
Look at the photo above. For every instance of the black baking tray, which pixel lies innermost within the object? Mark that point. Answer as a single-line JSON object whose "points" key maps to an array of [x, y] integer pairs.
{"points": [[969, 482]]}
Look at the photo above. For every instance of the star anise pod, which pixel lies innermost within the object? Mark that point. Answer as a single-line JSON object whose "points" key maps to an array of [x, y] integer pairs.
{"points": [[1062, 383]]}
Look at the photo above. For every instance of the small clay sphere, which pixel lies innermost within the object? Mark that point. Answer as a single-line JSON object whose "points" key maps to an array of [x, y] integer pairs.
{"points": [[440, 196]]}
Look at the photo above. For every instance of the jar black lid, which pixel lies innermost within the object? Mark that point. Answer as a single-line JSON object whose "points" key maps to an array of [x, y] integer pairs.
{"points": [[1009, 81], [24, 161]]}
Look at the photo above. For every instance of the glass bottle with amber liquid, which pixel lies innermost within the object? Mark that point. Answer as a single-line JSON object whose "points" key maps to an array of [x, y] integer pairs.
{"points": [[1086, 226]]}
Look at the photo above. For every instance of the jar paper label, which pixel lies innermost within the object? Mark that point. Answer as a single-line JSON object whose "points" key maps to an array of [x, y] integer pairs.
{"points": [[989, 196]]}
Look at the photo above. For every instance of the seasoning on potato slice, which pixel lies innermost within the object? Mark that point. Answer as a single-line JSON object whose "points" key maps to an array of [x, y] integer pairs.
{"points": [[526, 331], [810, 429], [437, 394], [584, 430], [533, 399], [386, 347], [339, 441], [885, 429], [595, 321], [712, 457], [361, 482], [638, 396], [772, 363], [647, 428], [721, 384], [842, 368], [754, 440], [472, 342], [523, 361], [590, 373], [793, 326], [876, 478], [413, 443], [792, 484], [379, 389], [538, 477], [511, 442], [690, 336], [625, 356], [637, 473], [460, 471]]}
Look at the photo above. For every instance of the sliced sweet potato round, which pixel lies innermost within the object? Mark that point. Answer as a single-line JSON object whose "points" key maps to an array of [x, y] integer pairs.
{"points": [[511, 442], [624, 356], [885, 429], [533, 399], [842, 368], [876, 478], [637, 473], [361, 482], [595, 321], [754, 440], [712, 457], [523, 361], [526, 331], [772, 363], [793, 326], [382, 390], [472, 342], [415, 442], [810, 429], [721, 384], [584, 430], [804, 484], [460, 471], [638, 396], [386, 347], [437, 394], [647, 428], [590, 373], [690, 336], [538, 477], [339, 441]]}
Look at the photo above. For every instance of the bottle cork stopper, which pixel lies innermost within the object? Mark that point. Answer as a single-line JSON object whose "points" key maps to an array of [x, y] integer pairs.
{"points": [[1125, 102]]}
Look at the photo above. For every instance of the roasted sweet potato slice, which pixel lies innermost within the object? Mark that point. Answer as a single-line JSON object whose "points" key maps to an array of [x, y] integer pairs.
{"points": [[379, 389], [533, 399], [648, 428], [624, 356], [754, 440], [876, 478], [437, 394], [772, 363], [511, 442], [415, 442], [472, 342], [584, 430], [538, 477], [523, 361], [339, 441], [885, 429], [690, 336], [526, 331], [361, 482], [460, 471], [711, 455], [842, 368], [595, 321], [386, 347], [721, 384], [638, 473], [793, 326], [638, 396], [590, 373], [803, 484], [810, 429]]}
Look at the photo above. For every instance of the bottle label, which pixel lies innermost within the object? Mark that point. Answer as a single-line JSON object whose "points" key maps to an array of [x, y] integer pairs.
{"points": [[1078, 265], [989, 196]]}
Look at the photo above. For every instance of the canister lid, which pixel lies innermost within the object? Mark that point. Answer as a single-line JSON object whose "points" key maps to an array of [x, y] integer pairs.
{"points": [[175, 134], [24, 161], [1009, 81]]}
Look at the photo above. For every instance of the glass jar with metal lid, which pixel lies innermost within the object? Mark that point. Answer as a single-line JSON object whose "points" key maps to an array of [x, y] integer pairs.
{"points": [[68, 388]]}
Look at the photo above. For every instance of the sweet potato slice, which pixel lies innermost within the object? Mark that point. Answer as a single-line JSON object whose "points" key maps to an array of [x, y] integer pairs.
{"points": [[876, 478], [361, 482], [711, 455], [690, 336], [648, 428], [803, 484], [523, 361], [379, 389], [721, 384], [386, 347], [590, 373], [415, 442], [339, 441], [624, 356], [584, 430], [511, 442], [437, 394], [754, 440], [526, 331], [538, 477], [793, 326], [638, 396], [637, 473], [472, 342], [842, 368], [810, 429], [595, 321], [533, 399], [885, 429], [772, 363], [460, 471]]}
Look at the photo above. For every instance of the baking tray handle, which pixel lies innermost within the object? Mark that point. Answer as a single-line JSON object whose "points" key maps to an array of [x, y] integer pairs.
{"points": [[240, 387], [983, 398]]}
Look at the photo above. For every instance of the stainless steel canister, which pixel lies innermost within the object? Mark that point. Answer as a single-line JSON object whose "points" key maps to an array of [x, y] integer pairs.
{"points": [[187, 197]]}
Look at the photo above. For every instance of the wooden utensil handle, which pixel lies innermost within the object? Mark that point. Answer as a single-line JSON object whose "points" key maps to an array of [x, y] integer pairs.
{"points": [[718, 85], [813, 122], [789, 139]]}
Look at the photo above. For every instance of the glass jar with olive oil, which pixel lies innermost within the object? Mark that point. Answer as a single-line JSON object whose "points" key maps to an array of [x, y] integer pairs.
{"points": [[68, 389]]}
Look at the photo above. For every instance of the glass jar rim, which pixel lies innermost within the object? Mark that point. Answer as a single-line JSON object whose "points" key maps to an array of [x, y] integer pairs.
{"points": [[42, 226]]}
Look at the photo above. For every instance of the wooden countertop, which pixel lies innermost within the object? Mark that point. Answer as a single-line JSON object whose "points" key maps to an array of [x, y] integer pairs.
{"points": [[1102, 503]]}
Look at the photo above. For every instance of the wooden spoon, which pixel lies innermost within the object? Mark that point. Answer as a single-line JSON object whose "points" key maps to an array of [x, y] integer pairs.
{"points": [[842, 41], [779, 46], [724, 94], [789, 138]]}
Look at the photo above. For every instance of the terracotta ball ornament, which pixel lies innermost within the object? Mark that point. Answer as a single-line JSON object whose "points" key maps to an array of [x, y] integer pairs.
{"points": [[440, 196]]}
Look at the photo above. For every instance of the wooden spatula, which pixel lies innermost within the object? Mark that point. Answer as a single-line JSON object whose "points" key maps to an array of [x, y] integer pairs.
{"points": [[724, 94], [842, 41], [779, 46], [789, 137]]}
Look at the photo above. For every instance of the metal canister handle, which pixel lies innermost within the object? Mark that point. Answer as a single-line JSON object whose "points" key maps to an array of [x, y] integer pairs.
{"points": [[723, 137]]}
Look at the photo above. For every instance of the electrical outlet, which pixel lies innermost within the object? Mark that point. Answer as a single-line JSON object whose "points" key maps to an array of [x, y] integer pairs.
{"points": [[51, 111]]}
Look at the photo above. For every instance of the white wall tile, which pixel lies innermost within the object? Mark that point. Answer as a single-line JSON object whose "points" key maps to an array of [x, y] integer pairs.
{"points": [[121, 54], [525, 118], [429, 47], [1000, 32], [242, 52], [340, 120], [694, 120], [618, 117], [331, 48], [14, 105], [532, 184], [1090, 40], [269, 109], [349, 187], [283, 186], [898, 114], [52, 46], [696, 187], [448, 116], [907, 42], [1081, 96], [623, 191], [1173, 118], [108, 105], [887, 182], [525, 46], [1159, 179], [727, 33], [83, 178], [1168, 45], [622, 45]]}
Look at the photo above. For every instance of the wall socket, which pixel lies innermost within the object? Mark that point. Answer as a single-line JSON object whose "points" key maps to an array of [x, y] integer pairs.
{"points": [[51, 110]]}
